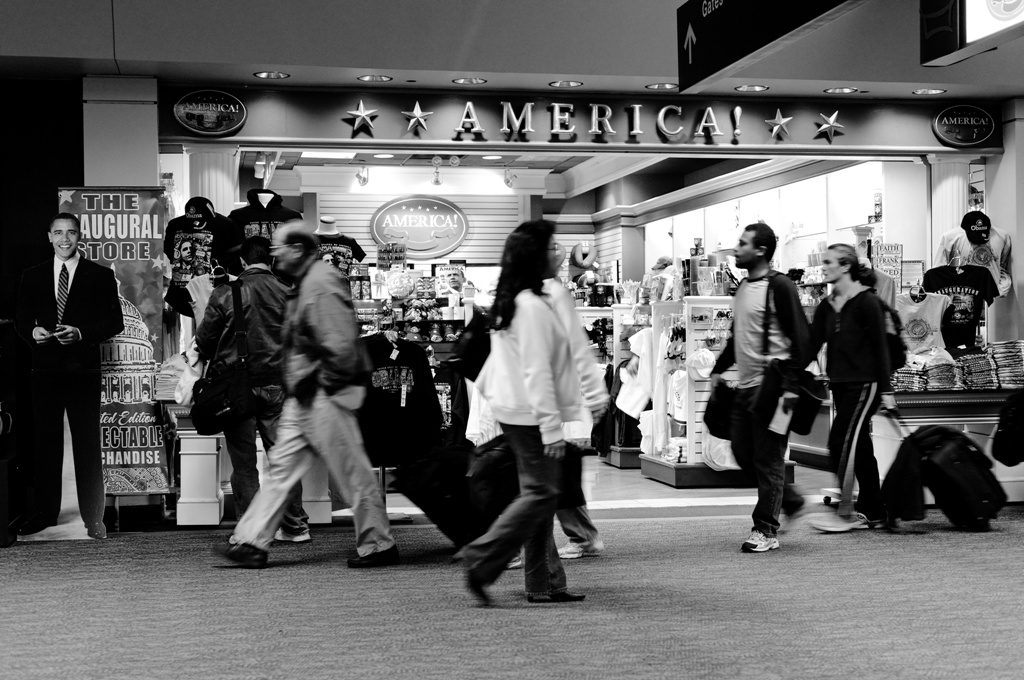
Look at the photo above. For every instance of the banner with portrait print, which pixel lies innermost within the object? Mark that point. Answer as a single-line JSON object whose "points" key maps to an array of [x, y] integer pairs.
{"points": [[123, 229]]}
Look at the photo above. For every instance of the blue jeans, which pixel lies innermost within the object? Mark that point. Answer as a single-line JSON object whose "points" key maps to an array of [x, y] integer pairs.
{"points": [[240, 441], [326, 429], [577, 525], [762, 454], [528, 522]]}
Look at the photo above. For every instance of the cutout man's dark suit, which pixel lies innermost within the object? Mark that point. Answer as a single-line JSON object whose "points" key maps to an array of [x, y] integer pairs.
{"points": [[67, 377]]}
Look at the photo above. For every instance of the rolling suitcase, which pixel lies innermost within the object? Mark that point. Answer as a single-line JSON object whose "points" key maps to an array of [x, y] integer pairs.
{"points": [[960, 477], [438, 486]]}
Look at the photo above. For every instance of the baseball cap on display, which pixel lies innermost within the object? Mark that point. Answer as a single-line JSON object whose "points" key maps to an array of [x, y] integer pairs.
{"points": [[977, 225], [199, 208], [663, 262]]}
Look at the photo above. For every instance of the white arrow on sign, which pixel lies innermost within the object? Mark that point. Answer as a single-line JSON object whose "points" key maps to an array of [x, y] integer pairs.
{"points": [[691, 39]]}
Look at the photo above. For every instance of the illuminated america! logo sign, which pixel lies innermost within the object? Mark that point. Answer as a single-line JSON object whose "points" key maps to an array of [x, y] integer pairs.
{"points": [[430, 227], [210, 113], [963, 125]]}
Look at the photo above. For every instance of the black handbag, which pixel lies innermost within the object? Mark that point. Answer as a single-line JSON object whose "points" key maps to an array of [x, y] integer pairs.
{"points": [[811, 391], [718, 416], [473, 346], [226, 398]]}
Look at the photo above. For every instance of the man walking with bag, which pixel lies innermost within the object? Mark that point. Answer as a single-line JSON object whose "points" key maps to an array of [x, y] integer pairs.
{"points": [[768, 323], [325, 374], [263, 298]]}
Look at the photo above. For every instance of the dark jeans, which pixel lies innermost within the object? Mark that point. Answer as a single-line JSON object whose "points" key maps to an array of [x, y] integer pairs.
{"points": [[528, 522], [850, 436], [241, 444], [78, 393], [761, 453]]}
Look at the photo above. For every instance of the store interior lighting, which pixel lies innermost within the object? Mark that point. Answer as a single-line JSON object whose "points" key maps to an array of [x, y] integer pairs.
{"points": [[363, 176], [436, 181], [509, 178], [260, 167]]}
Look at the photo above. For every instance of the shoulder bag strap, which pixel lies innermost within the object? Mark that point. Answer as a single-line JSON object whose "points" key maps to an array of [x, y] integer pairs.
{"points": [[240, 340], [767, 319]]}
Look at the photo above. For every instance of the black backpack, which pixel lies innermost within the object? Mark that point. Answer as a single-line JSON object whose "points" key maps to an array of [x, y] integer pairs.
{"points": [[894, 337]]}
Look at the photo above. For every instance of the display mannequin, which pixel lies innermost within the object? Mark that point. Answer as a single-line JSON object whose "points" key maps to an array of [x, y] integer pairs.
{"points": [[194, 244], [336, 249], [978, 243], [263, 215]]}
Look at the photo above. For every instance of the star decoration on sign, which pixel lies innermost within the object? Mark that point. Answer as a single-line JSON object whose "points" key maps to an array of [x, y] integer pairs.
{"points": [[830, 125], [362, 116], [779, 123], [417, 117], [66, 196]]}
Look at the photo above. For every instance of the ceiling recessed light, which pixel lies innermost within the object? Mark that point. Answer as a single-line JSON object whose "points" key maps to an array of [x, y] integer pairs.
{"points": [[928, 90], [662, 86], [492, 158], [375, 79], [272, 75], [841, 90], [329, 154], [566, 83], [751, 88], [383, 155], [469, 81]]}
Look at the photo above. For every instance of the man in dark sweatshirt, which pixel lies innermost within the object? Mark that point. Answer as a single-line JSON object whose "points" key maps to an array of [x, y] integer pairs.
{"points": [[263, 214], [758, 450]]}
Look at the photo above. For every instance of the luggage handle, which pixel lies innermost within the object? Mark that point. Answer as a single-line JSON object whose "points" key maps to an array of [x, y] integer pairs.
{"points": [[894, 416]]}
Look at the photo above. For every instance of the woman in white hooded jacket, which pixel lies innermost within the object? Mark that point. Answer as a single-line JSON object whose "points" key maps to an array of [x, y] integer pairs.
{"points": [[532, 384]]}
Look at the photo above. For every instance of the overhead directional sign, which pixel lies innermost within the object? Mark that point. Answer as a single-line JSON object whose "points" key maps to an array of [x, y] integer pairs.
{"points": [[718, 37], [955, 30]]}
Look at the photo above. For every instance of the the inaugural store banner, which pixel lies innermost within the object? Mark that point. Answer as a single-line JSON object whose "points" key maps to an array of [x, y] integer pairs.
{"points": [[123, 228]]}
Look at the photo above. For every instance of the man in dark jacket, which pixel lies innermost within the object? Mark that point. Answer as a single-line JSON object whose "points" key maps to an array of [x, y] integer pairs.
{"points": [[67, 306], [325, 375], [263, 304], [760, 450]]}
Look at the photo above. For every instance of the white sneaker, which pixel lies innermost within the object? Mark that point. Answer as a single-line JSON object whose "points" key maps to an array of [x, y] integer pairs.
{"points": [[574, 551], [516, 563], [285, 537], [758, 542]]}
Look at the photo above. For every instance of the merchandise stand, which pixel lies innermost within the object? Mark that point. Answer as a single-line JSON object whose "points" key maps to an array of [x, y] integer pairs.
{"points": [[706, 318], [624, 457]]}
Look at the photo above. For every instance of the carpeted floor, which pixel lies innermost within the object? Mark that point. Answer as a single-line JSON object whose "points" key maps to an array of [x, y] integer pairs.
{"points": [[670, 598]]}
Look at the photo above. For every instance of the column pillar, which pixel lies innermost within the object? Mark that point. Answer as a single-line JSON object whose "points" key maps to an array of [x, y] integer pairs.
{"points": [[950, 190], [121, 137], [1004, 203], [213, 174]]}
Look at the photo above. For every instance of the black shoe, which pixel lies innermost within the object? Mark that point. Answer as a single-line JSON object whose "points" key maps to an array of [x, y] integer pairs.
{"points": [[249, 556], [98, 530], [563, 596], [382, 558], [477, 588], [35, 525]]}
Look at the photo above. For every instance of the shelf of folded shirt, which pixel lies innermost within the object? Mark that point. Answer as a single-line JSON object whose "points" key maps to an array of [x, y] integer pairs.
{"points": [[976, 412]]}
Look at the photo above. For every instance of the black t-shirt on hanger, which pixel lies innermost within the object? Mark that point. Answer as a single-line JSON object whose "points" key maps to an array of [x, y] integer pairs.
{"points": [[966, 290], [339, 251]]}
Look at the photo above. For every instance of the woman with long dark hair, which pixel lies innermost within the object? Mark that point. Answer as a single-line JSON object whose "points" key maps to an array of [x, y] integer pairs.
{"points": [[851, 321], [532, 384]]}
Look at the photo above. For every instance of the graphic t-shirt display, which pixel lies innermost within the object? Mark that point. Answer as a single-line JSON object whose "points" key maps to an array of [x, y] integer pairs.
{"points": [[401, 417], [194, 244], [994, 255], [922, 321], [257, 220], [340, 251], [967, 287]]}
